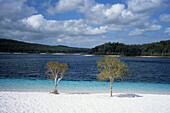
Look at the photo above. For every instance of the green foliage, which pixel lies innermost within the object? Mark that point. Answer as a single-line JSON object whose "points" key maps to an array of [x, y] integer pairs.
{"points": [[153, 49], [56, 69], [112, 68], [161, 48], [11, 46]]}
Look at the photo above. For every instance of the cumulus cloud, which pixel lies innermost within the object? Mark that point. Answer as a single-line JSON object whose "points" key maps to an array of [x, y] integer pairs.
{"points": [[10, 12], [165, 18], [115, 15], [139, 31], [20, 21], [35, 21], [146, 6], [80, 41], [136, 14], [15, 9], [64, 5], [167, 30], [67, 5], [104, 14], [68, 27], [36, 27]]}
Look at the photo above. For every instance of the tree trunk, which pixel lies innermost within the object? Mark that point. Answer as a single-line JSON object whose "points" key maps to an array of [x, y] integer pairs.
{"points": [[55, 84], [111, 82], [55, 89]]}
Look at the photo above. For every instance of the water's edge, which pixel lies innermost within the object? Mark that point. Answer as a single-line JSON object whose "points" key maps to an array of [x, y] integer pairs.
{"points": [[27, 85]]}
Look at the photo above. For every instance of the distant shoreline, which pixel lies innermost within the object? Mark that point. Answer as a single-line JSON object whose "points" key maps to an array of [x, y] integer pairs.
{"points": [[83, 54], [155, 56], [52, 53], [45, 53]]}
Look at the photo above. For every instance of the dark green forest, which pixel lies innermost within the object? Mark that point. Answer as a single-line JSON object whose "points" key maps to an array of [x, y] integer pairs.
{"points": [[11, 46], [161, 48]]}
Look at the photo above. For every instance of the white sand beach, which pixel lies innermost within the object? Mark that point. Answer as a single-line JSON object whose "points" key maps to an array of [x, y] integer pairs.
{"points": [[44, 102]]}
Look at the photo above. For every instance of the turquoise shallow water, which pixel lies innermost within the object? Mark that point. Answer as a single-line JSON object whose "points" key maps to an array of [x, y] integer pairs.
{"points": [[82, 86]]}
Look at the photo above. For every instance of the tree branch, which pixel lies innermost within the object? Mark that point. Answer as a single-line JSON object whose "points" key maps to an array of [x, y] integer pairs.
{"points": [[59, 79], [52, 82], [52, 73]]}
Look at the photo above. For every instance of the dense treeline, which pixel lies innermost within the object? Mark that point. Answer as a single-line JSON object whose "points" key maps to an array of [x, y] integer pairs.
{"points": [[7, 45], [161, 48]]}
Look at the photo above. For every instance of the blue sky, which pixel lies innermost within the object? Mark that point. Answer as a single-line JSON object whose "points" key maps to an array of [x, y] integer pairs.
{"points": [[85, 23]]}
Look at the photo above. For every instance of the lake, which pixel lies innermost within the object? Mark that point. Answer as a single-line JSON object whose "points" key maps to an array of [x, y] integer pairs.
{"points": [[146, 72]]}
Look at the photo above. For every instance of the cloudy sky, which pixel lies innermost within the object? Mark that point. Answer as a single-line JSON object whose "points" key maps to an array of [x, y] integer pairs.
{"points": [[85, 23]]}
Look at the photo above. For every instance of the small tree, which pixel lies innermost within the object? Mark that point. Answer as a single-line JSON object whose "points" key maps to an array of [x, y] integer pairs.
{"points": [[112, 68], [55, 71]]}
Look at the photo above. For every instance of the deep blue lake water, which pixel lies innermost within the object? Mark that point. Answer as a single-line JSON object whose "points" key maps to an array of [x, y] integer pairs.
{"points": [[149, 73], [31, 66]]}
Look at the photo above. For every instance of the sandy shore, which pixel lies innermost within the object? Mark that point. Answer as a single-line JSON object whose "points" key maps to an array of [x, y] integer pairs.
{"points": [[89, 55], [44, 102]]}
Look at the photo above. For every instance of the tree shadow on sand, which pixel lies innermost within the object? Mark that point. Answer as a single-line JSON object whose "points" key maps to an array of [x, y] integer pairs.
{"points": [[127, 95]]}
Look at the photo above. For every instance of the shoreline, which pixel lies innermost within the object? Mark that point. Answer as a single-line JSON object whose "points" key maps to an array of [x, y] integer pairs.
{"points": [[83, 54], [51, 53], [85, 93], [27, 85]]}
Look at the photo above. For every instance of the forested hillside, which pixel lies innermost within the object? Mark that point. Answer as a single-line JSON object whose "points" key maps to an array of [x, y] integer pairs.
{"points": [[161, 48], [11, 46]]}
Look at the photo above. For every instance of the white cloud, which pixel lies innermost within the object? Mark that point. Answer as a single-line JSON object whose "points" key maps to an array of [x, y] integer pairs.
{"points": [[167, 30], [69, 27], [165, 18], [34, 21], [146, 6], [15, 9], [64, 5], [67, 5], [10, 12], [149, 28], [104, 14], [20, 21], [80, 41], [36, 27], [136, 14], [87, 4]]}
